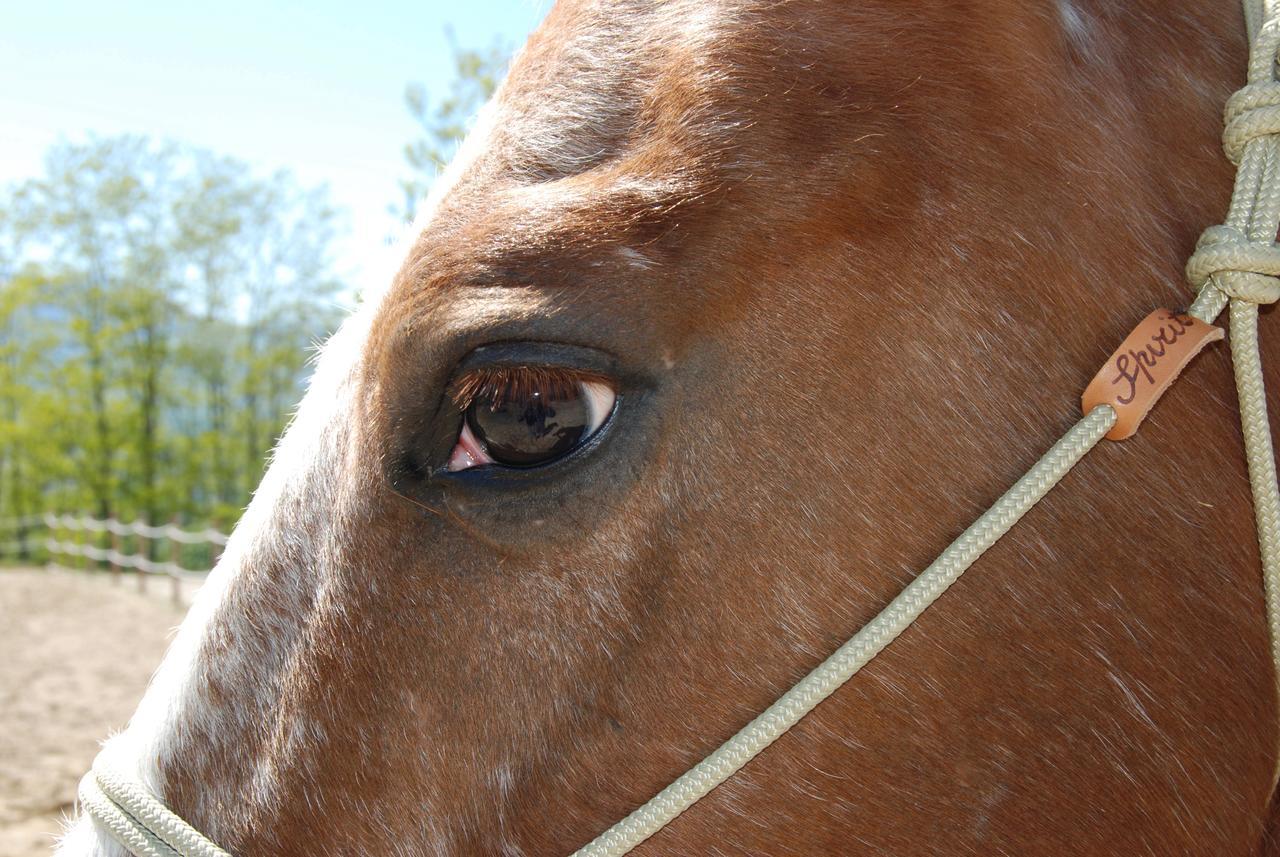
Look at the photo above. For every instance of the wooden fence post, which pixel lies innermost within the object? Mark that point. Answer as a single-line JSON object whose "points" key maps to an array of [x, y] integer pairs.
{"points": [[87, 541], [175, 555], [112, 564], [52, 537], [215, 548], [83, 539], [142, 550], [55, 536]]}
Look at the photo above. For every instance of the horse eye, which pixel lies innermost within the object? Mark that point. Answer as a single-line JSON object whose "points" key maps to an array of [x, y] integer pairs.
{"points": [[534, 426]]}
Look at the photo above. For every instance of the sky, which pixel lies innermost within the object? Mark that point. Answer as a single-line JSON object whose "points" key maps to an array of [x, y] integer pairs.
{"points": [[316, 88]]}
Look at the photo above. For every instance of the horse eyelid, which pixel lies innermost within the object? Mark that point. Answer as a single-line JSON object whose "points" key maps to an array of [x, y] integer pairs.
{"points": [[502, 383]]}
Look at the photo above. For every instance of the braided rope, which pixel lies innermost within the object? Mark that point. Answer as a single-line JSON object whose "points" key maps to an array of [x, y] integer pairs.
{"points": [[1237, 262], [865, 645], [136, 818], [122, 827]]}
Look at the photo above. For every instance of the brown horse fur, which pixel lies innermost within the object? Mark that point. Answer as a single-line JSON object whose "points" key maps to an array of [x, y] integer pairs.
{"points": [[850, 265]]}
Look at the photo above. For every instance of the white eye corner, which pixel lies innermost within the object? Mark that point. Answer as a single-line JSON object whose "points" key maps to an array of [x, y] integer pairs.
{"points": [[600, 401], [468, 452]]}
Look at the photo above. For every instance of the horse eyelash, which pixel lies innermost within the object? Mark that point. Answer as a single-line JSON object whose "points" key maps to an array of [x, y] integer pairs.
{"points": [[500, 384]]}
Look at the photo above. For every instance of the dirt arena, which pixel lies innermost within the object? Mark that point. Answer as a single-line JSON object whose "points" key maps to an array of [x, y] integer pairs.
{"points": [[77, 652]]}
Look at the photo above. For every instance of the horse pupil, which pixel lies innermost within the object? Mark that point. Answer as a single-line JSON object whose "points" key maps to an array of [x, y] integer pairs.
{"points": [[524, 432]]}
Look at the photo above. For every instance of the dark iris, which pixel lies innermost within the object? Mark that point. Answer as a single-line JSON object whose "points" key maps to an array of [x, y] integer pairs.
{"points": [[531, 429]]}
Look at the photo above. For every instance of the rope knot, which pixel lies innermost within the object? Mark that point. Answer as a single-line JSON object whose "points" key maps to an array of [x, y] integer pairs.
{"points": [[1240, 268], [1252, 112]]}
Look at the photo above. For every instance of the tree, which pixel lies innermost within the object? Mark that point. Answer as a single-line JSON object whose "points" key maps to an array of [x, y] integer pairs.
{"points": [[29, 415], [445, 124], [156, 308], [99, 216], [258, 275]]}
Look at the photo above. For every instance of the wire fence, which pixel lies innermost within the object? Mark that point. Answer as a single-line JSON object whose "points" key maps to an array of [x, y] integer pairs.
{"points": [[87, 543]]}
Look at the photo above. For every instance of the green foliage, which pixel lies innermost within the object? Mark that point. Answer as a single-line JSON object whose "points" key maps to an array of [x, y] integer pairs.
{"points": [[445, 123], [157, 306]]}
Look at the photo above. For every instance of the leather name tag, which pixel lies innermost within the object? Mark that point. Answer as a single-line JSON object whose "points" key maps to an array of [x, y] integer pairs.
{"points": [[1144, 366]]}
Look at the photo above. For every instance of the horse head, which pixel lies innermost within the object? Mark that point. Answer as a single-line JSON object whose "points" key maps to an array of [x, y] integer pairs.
{"points": [[725, 319]]}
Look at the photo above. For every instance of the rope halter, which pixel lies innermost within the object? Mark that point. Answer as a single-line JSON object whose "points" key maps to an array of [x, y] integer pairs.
{"points": [[1236, 263], [1239, 268]]}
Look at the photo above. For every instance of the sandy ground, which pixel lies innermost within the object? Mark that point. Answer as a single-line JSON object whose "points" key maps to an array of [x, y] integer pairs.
{"points": [[76, 651]]}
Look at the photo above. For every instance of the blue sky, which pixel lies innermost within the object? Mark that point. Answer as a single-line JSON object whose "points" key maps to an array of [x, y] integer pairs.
{"points": [[315, 87]]}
